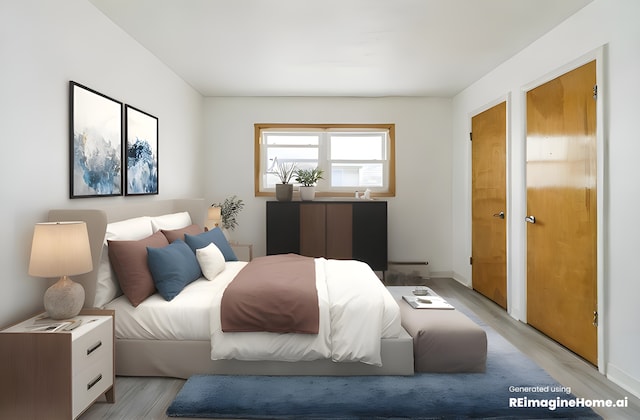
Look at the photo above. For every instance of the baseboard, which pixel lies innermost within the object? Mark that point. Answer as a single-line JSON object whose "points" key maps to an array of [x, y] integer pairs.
{"points": [[442, 275], [461, 279], [623, 380]]}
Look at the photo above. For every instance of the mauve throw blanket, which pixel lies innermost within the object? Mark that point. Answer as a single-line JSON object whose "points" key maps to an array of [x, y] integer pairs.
{"points": [[276, 293]]}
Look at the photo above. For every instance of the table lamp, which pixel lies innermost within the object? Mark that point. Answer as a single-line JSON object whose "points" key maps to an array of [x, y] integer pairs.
{"points": [[214, 217], [61, 249]]}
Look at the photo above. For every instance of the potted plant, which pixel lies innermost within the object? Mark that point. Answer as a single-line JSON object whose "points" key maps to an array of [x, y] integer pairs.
{"points": [[308, 178], [284, 190], [229, 210]]}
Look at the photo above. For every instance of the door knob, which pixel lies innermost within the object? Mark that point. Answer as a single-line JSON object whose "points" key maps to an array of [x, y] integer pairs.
{"points": [[500, 215], [530, 219]]}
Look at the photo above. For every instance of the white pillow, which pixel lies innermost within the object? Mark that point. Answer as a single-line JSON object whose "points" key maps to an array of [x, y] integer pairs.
{"points": [[171, 221], [211, 261], [107, 287], [129, 230]]}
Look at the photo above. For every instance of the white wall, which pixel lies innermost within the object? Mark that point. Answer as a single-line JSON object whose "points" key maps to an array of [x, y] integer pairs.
{"points": [[419, 215], [44, 44], [604, 22]]}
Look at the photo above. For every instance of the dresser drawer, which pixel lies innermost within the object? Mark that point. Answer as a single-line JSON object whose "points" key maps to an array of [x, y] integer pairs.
{"points": [[92, 345]]}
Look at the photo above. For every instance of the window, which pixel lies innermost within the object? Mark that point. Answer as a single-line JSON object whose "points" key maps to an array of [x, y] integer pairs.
{"points": [[353, 157]]}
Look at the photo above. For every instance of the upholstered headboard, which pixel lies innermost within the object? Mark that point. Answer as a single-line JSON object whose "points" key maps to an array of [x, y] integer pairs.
{"points": [[97, 220]]}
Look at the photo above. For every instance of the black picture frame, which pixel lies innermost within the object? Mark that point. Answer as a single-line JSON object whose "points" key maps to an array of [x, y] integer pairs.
{"points": [[141, 152], [95, 143]]}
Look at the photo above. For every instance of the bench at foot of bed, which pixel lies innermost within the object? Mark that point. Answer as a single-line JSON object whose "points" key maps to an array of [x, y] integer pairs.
{"points": [[444, 340]]}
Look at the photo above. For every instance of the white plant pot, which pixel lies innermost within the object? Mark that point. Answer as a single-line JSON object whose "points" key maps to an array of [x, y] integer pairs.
{"points": [[307, 193]]}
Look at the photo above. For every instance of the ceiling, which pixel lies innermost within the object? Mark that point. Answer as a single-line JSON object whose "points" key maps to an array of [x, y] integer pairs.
{"points": [[367, 48]]}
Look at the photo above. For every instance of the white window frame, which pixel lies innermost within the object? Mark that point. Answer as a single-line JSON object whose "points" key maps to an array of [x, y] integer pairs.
{"points": [[324, 131]]}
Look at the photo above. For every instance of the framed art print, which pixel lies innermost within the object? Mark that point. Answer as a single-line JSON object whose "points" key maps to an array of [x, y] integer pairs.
{"points": [[95, 143], [141, 152]]}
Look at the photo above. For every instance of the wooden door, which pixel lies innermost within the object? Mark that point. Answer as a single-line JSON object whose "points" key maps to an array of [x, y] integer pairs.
{"points": [[561, 209], [488, 209]]}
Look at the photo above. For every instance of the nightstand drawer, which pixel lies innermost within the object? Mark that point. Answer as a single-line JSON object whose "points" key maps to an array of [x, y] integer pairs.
{"points": [[92, 345], [91, 382]]}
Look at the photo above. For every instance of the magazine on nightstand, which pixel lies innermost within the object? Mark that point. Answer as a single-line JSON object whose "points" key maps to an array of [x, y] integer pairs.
{"points": [[427, 302], [46, 324]]}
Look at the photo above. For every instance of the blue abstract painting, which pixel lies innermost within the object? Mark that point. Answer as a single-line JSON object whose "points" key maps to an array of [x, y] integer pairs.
{"points": [[96, 144], [141, 152]]}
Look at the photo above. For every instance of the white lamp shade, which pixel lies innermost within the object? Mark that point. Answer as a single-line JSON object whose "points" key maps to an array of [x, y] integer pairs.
{"points": [[60, 249], [214, 217]]}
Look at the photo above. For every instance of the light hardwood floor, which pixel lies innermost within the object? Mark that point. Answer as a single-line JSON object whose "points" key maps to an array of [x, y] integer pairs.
{"points": [[148, 398]]}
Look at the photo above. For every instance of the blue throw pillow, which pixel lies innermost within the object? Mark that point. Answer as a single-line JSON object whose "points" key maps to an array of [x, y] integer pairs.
{"points": [[172, 268], [214, 236]]}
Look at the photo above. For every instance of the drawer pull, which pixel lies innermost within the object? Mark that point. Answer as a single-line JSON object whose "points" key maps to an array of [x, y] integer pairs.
{"points": [[95, 381], [94, 347]]}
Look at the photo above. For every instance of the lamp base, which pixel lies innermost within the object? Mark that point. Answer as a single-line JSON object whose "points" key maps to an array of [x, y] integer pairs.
{"points": [[64, 299]]}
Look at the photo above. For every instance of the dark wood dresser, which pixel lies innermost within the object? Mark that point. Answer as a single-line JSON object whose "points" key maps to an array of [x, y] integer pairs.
{"points": [[331, 229]]}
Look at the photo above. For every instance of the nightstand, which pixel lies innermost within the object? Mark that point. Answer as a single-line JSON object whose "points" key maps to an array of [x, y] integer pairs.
{"points": [[57, 375], [244, 252]]}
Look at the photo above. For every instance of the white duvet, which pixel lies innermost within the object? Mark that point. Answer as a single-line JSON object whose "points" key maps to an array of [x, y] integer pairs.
{"points": [[356, 311], [186, 317]]}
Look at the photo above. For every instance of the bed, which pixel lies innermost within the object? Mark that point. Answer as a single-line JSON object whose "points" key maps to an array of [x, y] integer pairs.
{"points": [[156, 337]]}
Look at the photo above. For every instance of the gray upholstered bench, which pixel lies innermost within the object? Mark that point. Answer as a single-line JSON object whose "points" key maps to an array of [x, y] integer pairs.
{"points": [[444, 340]]}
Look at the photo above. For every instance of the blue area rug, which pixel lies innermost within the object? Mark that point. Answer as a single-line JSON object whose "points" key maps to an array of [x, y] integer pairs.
{"points": [[511, 378]]}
